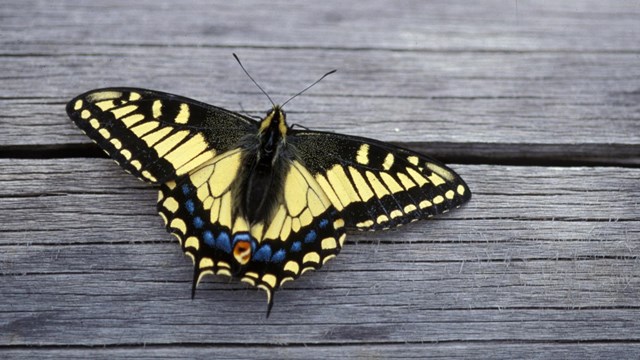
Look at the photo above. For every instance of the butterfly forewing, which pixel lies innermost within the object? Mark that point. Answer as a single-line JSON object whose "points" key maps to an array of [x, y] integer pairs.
{"points": [[153, 135], [377, 185]]}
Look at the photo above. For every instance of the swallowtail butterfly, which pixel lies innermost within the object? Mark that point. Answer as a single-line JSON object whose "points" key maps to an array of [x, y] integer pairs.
{"points": [[260, 200]]}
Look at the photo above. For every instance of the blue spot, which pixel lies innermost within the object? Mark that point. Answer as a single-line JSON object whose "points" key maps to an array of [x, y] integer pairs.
{"points": [[223, 243], [190, 206], [311, 237], [296, 246], [323, 223], [279, 256], [197, 222], [241, 237], [263, 254], [208, 238], [186, 189]]}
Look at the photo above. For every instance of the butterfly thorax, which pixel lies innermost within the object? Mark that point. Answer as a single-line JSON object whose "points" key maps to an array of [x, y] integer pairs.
{"points": [[265, 168]]}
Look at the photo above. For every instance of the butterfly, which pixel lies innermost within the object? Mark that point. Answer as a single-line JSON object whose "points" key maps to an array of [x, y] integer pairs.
{"points": [[260, 200]]}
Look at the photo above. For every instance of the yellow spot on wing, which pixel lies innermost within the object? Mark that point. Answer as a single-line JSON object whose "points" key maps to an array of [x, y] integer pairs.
{"points": [[77, 105], [133, 96], [240, 225], [417, 177], [144, 128], [105, 133], [120, 112], [392, 184], [306, 218], [438, 199], [311, 257], [104, 95], [105, 105], [342, 186], [171, 204], [286, 229], [449, 194], [460, 189], [406, 182], [395, 213], [187, 151], [183, 115], [156, 136], [225, 210], [148, 176], [206, 263], [169, 143], [361, 184], [292, 266], [378, 188], [435, 179], [328, 190], [136, 164], [193, 242], [425, 204], [85, 114], [116, 143], [126, 154], [94, 123], [441, 171], [315, 205], [388, 161], [328, 243], [362, 156], [269, 279], [156, 108], [365, 224], [295, 188], [248, 280], [131, 120], [178, 224], [276, 224], [409, 208]]}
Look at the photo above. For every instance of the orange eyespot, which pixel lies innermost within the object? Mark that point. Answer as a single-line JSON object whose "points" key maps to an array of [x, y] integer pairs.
{"points": [[242, 252]]}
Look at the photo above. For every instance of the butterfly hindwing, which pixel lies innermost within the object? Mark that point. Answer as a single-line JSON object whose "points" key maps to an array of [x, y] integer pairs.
{"points": [[156, 136], [201, 209], [377, 185]]}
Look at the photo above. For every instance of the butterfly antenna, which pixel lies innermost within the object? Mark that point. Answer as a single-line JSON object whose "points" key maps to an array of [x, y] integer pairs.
{"points": [[309, 87], [252, 79]]}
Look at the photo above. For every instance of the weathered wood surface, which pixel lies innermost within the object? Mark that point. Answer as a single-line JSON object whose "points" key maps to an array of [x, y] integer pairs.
{"points": [[542, 263]]}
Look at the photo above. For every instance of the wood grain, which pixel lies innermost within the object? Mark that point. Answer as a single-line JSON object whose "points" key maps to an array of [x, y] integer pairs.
{"points": [[535, 103]]}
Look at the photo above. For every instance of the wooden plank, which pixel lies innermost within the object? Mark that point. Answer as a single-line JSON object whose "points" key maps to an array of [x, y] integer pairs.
{"points": [[472, 103], [552, 88], [540, 254], [504, 350], [491, 25]]}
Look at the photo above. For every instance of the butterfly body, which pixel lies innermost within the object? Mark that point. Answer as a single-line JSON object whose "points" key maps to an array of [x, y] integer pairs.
{"points": [[260, 201]]}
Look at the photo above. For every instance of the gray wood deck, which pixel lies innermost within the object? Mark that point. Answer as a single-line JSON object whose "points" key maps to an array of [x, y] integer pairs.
{"points": [[535, 104]]}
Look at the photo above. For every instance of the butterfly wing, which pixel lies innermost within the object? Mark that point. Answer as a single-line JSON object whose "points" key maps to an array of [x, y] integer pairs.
{"points": [[157, 136], [375, 185], [201, 209]]}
